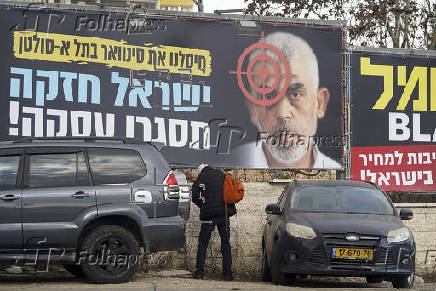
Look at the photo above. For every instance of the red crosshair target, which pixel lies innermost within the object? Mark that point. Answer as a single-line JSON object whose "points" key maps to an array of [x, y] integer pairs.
{"points": [[263, 74]]}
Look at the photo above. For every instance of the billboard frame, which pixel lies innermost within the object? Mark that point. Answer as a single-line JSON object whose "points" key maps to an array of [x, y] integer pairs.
{"points": [[182, 15]]}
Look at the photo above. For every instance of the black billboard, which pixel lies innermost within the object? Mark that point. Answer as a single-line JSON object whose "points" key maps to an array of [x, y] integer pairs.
{"points": [[393, 119], [210, 89]]}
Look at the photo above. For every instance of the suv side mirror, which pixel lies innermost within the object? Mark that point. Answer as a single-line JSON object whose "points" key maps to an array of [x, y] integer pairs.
{"points": [[406, 214], [273, 209]]}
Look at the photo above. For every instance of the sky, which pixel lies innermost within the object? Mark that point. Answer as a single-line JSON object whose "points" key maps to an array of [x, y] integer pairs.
{"points": [[211, 5]]}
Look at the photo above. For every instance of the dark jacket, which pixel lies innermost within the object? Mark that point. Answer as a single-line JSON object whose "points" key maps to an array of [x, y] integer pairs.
{"points": [[213, 205]]}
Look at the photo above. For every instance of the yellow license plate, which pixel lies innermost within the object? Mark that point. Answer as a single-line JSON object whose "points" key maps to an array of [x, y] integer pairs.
{"points": [[347, 253]]}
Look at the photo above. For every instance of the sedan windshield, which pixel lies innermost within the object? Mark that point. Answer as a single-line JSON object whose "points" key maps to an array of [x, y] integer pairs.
{"points": [[341, 199]]}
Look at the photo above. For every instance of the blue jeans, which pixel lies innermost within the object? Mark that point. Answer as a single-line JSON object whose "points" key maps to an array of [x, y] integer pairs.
{"points": [[203, 242]]}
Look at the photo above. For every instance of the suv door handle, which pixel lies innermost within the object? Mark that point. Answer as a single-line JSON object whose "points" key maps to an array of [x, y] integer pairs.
{"points": [[9, 197], [80, 195]]}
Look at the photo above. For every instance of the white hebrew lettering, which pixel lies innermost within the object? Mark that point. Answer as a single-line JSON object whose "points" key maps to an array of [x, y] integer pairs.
{"points": [[378, 159], [384, 178], [397, 178], [51, 123], [38, 118], [85, 117], [399, 156], [429, 180], [387, 157], [410, 179], [363, 156], [372, 175], [411, 156], [110, 124]]}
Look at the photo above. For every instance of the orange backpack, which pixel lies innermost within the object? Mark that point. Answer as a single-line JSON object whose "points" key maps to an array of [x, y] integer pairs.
{"points": [[233, 190]]}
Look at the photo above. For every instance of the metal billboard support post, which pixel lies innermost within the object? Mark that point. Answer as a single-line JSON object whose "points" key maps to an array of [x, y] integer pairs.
{"points": [[347, 114], [344, 174]]}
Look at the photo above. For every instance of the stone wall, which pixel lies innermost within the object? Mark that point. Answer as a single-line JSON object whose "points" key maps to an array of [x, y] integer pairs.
{"points": [[246, 233], [423, 227]]}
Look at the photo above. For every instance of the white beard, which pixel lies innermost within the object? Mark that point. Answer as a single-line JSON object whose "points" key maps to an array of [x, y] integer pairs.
{"points": [[289, 151]]}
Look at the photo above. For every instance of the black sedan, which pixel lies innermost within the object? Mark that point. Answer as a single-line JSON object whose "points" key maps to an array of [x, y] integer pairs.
{"points": [[337, 228]]}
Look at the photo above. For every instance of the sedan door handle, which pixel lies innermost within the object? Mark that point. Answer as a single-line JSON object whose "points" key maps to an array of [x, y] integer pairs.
{"points": [[80, 195], [9, 197]]}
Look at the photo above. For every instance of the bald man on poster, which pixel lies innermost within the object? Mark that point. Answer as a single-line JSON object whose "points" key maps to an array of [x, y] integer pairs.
{"points": [[287, 128]]}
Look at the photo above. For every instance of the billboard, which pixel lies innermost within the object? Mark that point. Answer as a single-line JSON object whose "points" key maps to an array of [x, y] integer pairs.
{"points": [[210, 89], [393, 120], [184, 3]]}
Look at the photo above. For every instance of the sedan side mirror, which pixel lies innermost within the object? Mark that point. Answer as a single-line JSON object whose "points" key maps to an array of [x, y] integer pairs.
{"points": [[406, 214], [273, 209]]}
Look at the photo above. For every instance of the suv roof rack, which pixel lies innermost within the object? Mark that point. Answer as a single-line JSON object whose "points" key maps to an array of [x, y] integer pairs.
{"points": [[125, 140]]}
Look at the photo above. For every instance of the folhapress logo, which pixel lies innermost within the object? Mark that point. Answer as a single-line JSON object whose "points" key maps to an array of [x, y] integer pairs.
{"points": [[129, 24]]}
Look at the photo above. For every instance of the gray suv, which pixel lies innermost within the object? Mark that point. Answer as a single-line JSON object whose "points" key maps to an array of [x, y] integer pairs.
{"points": [[89, 203]]}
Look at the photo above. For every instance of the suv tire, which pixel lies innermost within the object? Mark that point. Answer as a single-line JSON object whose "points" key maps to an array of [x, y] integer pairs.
{"points": [[119, 243], [75, 270]]}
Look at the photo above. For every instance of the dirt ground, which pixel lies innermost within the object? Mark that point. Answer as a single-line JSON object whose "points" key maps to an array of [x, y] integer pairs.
{"points": [[181, 280]]}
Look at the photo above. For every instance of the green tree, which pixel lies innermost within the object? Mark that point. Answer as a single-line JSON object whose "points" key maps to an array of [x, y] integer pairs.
{"points": [[380, 23]]}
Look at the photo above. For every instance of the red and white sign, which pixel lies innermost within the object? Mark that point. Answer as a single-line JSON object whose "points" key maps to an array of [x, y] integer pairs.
{"points": [[396, 168]]}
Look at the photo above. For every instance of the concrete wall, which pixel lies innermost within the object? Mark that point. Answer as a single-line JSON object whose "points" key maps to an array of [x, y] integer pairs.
{"points": [[246, 232]]}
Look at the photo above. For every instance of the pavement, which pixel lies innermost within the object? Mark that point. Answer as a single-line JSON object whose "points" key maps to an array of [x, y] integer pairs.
{"points": [[181, 280]]}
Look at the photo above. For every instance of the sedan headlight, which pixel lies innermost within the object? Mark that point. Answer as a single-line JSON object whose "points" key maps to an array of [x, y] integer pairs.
{"points": [[301, 231], [399, 235]]}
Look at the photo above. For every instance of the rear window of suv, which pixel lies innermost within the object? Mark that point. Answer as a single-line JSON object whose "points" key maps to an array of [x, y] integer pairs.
{"points": [[115, 166]]}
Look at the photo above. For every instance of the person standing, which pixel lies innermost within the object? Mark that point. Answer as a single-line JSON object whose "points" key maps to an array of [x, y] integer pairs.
{"points": [[207, 194]]}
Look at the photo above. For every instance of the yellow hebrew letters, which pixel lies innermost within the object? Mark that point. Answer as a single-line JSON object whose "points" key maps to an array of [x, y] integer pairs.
{"points": [[419, 74], [387, 72]]}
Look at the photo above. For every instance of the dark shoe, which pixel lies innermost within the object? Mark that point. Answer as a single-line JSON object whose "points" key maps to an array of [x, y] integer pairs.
{"points": [[228, 277], [198, 276]]}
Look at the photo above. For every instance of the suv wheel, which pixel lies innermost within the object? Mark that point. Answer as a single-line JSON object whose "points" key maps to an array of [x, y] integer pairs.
{"points": [[112, 254], [266, 274], [75, 270], [402, 281]]}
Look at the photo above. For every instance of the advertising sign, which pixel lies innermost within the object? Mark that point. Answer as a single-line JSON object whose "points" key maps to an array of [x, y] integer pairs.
{"points": [[210, 91], [185, 3], [393, 120]]}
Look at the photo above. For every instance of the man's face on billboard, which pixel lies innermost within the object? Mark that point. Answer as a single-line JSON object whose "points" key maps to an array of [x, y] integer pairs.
{"points": [[296, 113]]}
